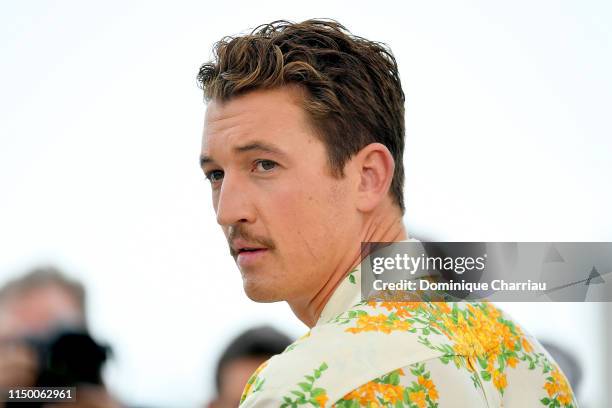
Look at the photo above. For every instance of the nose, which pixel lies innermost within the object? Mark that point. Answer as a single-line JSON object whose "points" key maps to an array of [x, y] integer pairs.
{"points": [[233, 204]]}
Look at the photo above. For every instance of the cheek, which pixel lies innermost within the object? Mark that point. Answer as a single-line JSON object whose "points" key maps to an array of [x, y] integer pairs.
{"points": [[306, 216], [300, 206]]}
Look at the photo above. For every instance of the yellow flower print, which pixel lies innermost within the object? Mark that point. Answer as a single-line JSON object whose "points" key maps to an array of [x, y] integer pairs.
{"points": [[401, 309], [321, 399], [379, 323], [499, 380], [443, 307], [429, 385], [480, 338], [400, 325], [366, 395], [418, 398], [512, 361], [526, 345], [558, 388], [391, 390]]}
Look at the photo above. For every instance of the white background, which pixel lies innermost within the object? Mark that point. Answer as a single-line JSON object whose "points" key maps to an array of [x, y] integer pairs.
{"points": [[508, 139]]}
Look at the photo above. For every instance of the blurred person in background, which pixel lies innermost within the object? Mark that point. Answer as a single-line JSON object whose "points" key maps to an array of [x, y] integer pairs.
{"points": [[44, 340], [240, 359], [303, 146]]}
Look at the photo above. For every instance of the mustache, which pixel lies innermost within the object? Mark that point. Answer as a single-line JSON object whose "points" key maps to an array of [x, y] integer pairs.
{"points": [[240, 231]]}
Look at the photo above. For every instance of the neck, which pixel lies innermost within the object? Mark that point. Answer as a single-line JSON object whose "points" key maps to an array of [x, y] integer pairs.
{"points": [[380, 229]]}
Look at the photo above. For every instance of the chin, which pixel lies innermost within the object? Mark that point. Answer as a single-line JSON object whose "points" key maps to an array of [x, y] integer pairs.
{"points": [[261, 293]]}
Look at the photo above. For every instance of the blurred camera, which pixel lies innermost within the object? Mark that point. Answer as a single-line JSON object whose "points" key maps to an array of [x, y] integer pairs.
{"points": [[66, 358]]}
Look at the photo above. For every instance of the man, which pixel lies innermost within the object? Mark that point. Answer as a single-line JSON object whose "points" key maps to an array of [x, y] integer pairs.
{"points": [[241, 357], [35, 306], [303, 142]]}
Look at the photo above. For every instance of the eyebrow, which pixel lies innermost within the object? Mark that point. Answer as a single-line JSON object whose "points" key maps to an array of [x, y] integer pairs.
{"points": [[205, 160], [261, 146], [254, 146]]}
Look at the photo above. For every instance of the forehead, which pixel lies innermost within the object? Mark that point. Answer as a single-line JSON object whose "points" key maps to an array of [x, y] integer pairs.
{"points": [[272, 115]]}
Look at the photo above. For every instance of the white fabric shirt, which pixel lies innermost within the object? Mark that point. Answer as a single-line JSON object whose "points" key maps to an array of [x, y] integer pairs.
{"points": [[410, 354]]}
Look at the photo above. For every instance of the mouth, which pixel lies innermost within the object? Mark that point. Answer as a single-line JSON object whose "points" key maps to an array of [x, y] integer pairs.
{"points": [[247, 249], [249, 256]]}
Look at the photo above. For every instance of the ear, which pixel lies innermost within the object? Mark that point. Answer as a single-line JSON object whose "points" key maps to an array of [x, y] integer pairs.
{"points": [[374, 165]]}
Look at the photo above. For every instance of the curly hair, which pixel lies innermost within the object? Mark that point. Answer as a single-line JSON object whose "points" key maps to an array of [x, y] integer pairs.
{"points": [[354, 96]]}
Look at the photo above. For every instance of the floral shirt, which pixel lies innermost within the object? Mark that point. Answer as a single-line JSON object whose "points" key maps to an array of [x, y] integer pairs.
{"points": [[409, 354]]}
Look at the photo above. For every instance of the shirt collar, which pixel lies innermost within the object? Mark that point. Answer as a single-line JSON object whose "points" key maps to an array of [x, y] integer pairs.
{"points": [[346, 295]]}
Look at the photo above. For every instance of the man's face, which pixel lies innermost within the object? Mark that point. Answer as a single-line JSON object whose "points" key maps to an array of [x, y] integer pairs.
{"points": [[37, 311], [287, 219]]}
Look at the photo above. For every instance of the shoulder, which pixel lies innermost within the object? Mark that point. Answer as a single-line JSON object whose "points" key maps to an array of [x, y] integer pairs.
{"points": [[420, 350], [337, 356]]}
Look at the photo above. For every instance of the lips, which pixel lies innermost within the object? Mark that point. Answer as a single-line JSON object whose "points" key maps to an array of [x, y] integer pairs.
{"points": [[240, 245], [250, 256], [248, 252]]}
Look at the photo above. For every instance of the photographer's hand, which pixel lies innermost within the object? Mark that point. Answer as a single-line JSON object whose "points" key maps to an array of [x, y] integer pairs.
{"points": [[18, 365]]}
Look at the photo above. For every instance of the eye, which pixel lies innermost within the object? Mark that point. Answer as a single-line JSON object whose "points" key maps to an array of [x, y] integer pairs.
{"points": [[214, 176], [265, 165]]}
